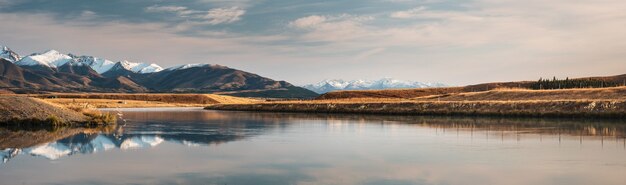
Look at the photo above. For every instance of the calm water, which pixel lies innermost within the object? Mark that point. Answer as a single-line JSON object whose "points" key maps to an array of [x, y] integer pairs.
{"points": [[193, 146]]}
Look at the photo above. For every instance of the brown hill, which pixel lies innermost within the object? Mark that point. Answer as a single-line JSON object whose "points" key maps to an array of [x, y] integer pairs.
{"points": [[413, 93], [75, 77], [68, 78]]}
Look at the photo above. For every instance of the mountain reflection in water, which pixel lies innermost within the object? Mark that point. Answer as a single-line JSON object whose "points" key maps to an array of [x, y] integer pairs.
{"points": [[333, 140], [151, 127]]}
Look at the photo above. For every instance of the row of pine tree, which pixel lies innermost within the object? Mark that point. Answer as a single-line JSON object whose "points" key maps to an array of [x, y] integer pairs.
{"points": [[567, 83]]}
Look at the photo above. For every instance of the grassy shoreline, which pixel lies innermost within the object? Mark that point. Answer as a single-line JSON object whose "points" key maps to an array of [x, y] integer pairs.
{"points": [[21, 110], [504, 102], [577, 109]]}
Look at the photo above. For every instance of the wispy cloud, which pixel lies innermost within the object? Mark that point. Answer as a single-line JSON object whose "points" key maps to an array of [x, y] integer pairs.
{"points": [[308, 22], [213, 16], [224, 15], [172, 9], [331, 28], [407, 13]]}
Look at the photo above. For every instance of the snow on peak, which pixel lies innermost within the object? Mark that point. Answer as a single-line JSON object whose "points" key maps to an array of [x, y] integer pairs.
{"points": [[384, 83], [50, 58], [186, 66], [141, 142], [7, 54], [152, 68], [335, 83], [7, 154], [55, 59], [140, 67], [50, 151], [97, 64], [102, 143]]}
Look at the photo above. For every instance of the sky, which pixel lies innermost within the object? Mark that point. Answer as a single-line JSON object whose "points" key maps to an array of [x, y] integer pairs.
{"points": [[456, 42]]}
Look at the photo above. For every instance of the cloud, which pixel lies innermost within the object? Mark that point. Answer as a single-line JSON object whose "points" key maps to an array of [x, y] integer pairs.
{"points": [[173, 9], [331, 28], [224, 15], [407, 13], [308, 22], [86, 14], [213, 16]]}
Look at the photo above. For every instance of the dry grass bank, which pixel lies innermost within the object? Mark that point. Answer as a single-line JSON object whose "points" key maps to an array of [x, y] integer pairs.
{"points": [[112, 100], [111, 103], [583, 108], [155, 97], [599, 102], [18, 109], [23, 110], [614, 93], [461, 94], [509, 91]]}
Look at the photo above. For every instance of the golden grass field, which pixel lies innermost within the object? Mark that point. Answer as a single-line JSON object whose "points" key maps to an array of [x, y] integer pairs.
{"points": [[113, 100], [152, 97], [602, 102], [75, 108], [598, 102]]}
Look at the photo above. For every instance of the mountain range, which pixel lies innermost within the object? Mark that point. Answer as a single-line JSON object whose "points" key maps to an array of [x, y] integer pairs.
{"points": [[53, 71], [384, 83]]}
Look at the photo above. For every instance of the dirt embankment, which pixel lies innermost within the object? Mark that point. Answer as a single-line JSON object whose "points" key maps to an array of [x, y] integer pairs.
{"points": [[24, 109]]}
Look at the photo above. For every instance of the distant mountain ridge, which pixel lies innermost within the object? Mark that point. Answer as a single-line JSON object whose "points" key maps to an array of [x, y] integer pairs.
{"points": [[9, 55], [52, 71], [53, 59], [384, 83]]}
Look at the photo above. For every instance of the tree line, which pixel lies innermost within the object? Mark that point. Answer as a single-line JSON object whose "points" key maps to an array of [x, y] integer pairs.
{"points": [[567, 83]]}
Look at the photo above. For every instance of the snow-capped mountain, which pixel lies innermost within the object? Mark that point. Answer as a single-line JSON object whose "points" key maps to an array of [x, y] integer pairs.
{"points": [[8, 54], [186, 66], [141, 67], [97, 64], [50, 58], [53, 59], [54, 71], [384, 83]]}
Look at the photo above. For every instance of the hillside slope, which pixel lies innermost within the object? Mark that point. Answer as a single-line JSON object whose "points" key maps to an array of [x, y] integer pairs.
{"points": [[73, 77], [420, 92]]}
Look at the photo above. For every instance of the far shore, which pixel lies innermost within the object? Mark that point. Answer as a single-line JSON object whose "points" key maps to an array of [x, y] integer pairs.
{"points": [[587, 109], [588, 103], [591, 103]]}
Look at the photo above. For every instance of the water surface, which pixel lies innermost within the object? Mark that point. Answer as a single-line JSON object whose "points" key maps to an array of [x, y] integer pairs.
{"points": [[194, 146]]}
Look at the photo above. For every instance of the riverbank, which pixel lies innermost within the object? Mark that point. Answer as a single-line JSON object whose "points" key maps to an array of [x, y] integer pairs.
{"points": [[26, 110], [598, 102], [120, 100], [588, 108]]}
